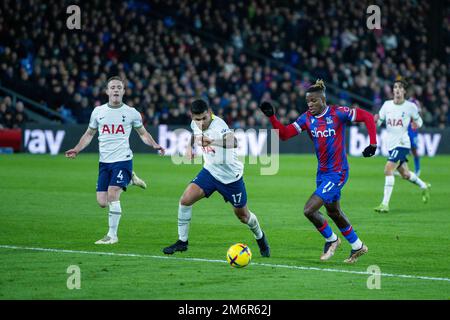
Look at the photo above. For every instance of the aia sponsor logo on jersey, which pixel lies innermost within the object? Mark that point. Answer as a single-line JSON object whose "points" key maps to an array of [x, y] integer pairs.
{"points": [[395, 122], [323, 133], [113, 129]]}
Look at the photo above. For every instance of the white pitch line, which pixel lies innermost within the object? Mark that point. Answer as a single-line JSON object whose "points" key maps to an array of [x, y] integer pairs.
{"points": [[136, 255]]}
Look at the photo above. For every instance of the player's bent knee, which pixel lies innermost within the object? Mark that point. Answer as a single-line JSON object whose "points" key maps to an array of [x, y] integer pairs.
{"points": [[186, 201], [308, 212], [242, 215], [191, 195], [405, 175], [102, 203], [113, 195], [389, 169], [102, 199]]}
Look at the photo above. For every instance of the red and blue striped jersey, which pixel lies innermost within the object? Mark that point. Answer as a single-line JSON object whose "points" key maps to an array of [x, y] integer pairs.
{"points": [[327, 131]]}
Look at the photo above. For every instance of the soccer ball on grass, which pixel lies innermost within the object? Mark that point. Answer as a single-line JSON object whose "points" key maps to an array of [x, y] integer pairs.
{"points": [[239, 255]]}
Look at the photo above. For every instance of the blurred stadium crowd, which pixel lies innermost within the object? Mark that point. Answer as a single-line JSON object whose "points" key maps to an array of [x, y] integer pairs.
{"points": [[235, 53]]}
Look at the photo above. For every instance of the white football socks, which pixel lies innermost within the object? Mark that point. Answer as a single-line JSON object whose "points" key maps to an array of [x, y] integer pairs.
{"points": [[416, 180], [184, 219], [388, 187], [357, 244], [253, 224], [115, 213], [332, 238]]}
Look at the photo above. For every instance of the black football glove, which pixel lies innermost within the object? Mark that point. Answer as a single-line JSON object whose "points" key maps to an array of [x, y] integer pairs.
{"points": [[369, 150], [267, 108]]}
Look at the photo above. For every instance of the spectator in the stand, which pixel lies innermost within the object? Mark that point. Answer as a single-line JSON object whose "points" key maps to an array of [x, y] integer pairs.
{"points": [[8, 120], [150, 117], [166, 65], [84, 110], [8, 112], [20, 116], [19, 120], [3, 109]]}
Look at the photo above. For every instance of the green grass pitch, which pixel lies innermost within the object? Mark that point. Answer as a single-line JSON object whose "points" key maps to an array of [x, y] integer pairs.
{"points": [[49, 203]]}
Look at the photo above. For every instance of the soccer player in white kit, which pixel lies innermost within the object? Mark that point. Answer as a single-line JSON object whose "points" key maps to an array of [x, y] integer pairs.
{"points": [[398, 114], [222, 172], [114, 121]]}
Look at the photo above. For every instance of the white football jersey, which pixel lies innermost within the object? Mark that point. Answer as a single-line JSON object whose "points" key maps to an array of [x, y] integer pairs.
{"points": [[222, 163], [114, 127], [397, 118]]}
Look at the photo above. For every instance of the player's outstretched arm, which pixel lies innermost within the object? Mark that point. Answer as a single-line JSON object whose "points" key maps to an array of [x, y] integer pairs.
{"points": [[284, 132], [369, 121], [85, 140], [148, 140]]}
